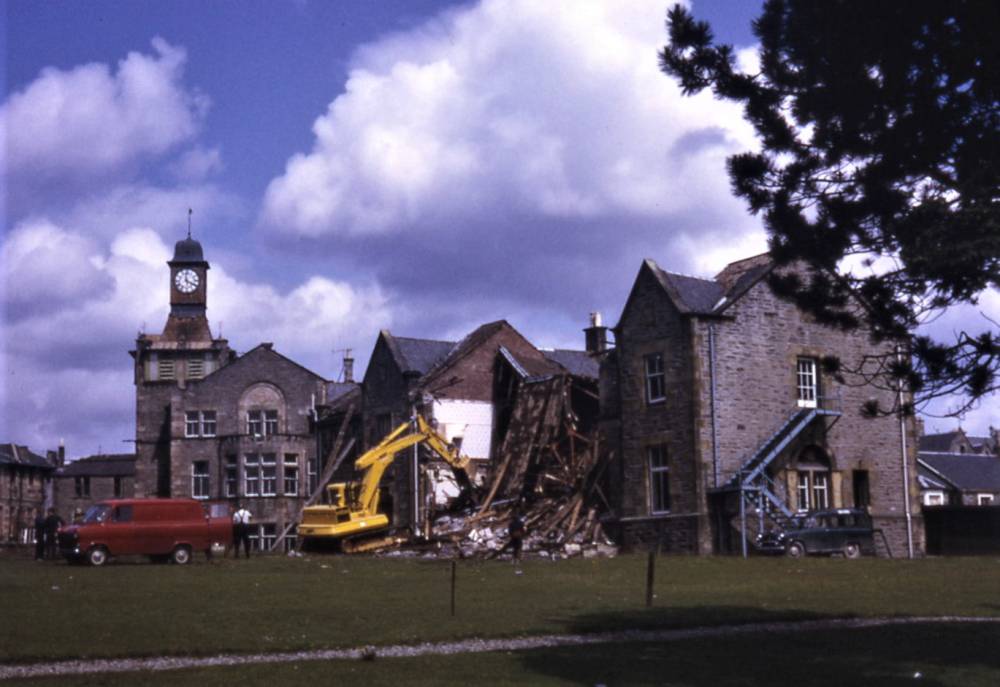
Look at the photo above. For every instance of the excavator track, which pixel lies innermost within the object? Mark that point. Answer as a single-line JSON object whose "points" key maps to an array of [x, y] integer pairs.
{"points": [[365, 544]]}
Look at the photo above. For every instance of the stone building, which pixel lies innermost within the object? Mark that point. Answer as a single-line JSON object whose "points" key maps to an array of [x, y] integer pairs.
{"points": [[724, 421], [25, 490], [85, 481], [216, 426]]}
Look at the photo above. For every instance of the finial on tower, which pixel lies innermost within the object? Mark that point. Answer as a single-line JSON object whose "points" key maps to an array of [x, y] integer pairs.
{"points": [[190, 212]]}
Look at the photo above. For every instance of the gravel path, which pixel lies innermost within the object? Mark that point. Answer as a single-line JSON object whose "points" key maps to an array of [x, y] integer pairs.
{"points": [[459, 647]]}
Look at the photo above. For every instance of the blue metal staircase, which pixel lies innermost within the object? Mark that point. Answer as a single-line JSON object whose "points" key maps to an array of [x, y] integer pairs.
{"points": [[758, 492]]}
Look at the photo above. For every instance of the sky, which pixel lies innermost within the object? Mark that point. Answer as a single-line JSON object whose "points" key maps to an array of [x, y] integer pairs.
{"points": [[412, 165]]}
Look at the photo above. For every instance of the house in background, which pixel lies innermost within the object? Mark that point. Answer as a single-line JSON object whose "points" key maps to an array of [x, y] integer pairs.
{"points": [[724, 422], [79, 484], [958, 442], [959, 479], [25, 490]]}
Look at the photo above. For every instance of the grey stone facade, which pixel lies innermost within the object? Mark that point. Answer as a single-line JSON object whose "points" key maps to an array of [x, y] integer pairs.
{"points": [[25, 491], [727, 354], [220, 427], [83, 482]]}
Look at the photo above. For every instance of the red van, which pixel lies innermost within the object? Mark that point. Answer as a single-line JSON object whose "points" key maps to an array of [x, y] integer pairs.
{"points": [[159, 528]]}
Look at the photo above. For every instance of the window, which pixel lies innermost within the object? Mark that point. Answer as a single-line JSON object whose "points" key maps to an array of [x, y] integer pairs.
{"points": [[268, 535], [196, 368], [208, 423], [659, 479], [268, 475], [270, 422], [984, 499], [231, 477], [656, 387], [123, 514], [813, 490], [119, 488], [192, 423], [165, 368], [199, 479], [199, 423], [255, 423], [251, 474], [291, 474], [312, 474], [82, 487], [262, 422], [805, 380], [934, 498]]}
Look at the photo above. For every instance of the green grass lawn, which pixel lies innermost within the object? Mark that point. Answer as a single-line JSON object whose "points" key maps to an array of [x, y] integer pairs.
{"points": [[53, 611]]}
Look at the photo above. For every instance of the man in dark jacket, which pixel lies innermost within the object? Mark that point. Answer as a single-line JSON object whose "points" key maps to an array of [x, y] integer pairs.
{"points": [[52, 524], [40, 536]]}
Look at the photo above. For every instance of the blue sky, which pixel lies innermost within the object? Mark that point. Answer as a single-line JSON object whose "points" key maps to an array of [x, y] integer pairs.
{"points": [[355, 165]]}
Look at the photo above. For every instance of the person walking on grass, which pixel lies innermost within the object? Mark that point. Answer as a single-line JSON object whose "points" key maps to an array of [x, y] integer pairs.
{"points": [[52, 524], [241, 531], [516, 532]]}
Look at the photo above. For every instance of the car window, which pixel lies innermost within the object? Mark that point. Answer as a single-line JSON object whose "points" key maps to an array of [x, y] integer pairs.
{"points": [[123, 514], [99, 512]]}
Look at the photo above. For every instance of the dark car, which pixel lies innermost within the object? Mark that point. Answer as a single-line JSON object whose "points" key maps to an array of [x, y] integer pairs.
{"points": [[841, 530]]}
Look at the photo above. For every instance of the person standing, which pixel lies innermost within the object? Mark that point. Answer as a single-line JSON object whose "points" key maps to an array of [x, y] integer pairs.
{"points": [[40, 536], [516, 532], [52, 524], [241, 531]]}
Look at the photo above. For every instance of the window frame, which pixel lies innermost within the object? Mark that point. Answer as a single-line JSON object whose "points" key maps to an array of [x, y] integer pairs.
{"points": [[251, 474], [984, 499], [655, 377], [806, 382], [201, 482], [658, 468], [268, 474], [209, 423], [192, 424], [231, 476], [290, 471], [255, 423], [931, 496]]}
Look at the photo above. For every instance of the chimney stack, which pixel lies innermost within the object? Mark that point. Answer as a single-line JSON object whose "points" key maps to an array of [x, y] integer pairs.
{"points": [[62, 452], [596, 335], [348, 366]]}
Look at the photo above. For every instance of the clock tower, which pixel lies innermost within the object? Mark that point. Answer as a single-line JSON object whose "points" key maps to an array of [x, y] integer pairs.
{"points": [[188, 277]]}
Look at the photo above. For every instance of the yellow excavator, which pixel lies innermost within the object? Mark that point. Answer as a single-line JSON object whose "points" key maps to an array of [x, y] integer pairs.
{"points": [[352, 512]]}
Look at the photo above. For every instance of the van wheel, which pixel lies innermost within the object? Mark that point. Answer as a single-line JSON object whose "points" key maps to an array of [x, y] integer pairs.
{"points": [[795, 550], [181, 555], [97, 556], [852, 551]]}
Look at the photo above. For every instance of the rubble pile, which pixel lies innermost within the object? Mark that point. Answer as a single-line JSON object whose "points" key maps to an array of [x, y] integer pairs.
{"points": [[549, 473]]}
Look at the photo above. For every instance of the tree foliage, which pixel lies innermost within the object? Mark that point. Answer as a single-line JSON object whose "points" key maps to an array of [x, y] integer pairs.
{"points": [[879, 125]]}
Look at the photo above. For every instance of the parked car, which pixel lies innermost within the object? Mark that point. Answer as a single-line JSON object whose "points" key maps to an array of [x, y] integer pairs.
{"points": [[842, 530], [163, 529]]}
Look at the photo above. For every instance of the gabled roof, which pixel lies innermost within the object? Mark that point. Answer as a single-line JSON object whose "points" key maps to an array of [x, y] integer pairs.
{"points": [[967, 471], [579, 363], [530, 366], [337, 390], [101, 465], [697, 296], [13, 454], [261, 349], [940, 443], [416, 355]]}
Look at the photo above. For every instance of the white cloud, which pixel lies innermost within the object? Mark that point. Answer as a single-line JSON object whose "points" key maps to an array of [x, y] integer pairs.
{"points": [[547, 109], [99, 297], [91, 121], [197, 164]]}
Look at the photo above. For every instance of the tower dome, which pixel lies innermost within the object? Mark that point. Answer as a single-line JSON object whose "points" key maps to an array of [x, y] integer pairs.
{"points": [[188, 250]]}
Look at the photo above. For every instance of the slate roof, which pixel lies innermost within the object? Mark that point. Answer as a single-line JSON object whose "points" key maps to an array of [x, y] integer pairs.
{"points": [[967, 471], [697, 296], [939, 443], [13, 454], [337, 390], [101, 465], [579, 363], [417, 355]]}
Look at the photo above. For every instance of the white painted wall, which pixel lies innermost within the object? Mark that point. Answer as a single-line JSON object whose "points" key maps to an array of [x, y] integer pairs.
{"points": [[471, 420]]}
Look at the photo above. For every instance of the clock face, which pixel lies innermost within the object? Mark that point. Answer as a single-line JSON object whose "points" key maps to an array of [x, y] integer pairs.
{"points": [[186, 281]]}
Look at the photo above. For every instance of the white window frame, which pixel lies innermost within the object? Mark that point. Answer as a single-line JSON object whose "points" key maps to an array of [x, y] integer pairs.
{"points": [[821, 490], [200, 481], [268, 475], [192, 424], [984, 499], [255, 423], [658, 463], [232, 476], [933, 498], [804, 491], [656, 378], [270, 422], [291, 475], [268, 536], [806, 383], [209, 423], [251, 474]]}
